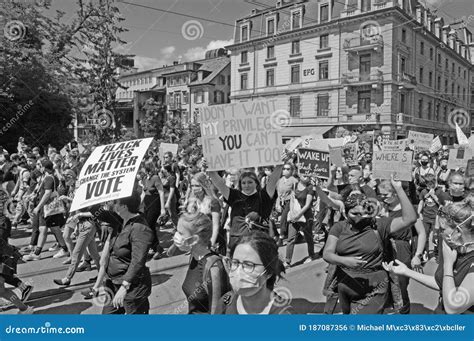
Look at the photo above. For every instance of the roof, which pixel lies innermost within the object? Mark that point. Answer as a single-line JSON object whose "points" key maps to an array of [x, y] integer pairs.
{"points": [[214, 67]]}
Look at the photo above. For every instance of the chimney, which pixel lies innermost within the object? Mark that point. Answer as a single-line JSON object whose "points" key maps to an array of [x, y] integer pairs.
{"points": [[445, 32], [438, 23], [452, 39]]}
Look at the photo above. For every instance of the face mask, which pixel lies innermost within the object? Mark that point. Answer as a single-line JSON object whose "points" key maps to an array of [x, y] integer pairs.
{"points": [[249, 194], [184, 244], [360, 223], [444, 167], [424, 163], [245, 284], [460, 248], [456, 191]]}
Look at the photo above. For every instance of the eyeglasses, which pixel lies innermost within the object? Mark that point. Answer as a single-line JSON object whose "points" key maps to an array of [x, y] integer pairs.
{"points": [[233, 264]]}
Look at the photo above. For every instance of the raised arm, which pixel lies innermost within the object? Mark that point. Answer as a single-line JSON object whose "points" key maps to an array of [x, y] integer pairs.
{"points": [[408, 217], [272, 180], [219, 182]]}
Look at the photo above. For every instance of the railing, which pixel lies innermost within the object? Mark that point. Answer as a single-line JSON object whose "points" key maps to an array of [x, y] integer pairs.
{"points": [[361, 42], [356, 78], [407, 78]]}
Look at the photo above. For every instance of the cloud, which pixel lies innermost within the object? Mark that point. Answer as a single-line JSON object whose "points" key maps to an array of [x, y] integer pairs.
{"points": [[196, 53], [147, 63], [168, 51]]}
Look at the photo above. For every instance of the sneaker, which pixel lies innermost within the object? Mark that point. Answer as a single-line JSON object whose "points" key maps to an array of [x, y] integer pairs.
{"points": [[53, 248], [61, 253], [25, 293], [85, 266], [62, 283], [67, 261], [31, 257], [26, 249], [89, 293], [28, 311]]}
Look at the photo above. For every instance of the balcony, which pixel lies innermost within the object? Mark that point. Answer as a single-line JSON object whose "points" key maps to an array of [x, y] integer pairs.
{"points": [[174, 106], [407, 81], [382, 4], [366, 118], [374, 79], [363, 44]]}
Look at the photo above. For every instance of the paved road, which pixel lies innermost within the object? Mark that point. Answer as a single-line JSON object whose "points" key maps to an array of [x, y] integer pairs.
{"points": [[303, 283]]}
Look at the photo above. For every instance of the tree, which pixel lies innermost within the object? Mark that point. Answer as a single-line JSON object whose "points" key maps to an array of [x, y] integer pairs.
{"points": [[152, 122]]}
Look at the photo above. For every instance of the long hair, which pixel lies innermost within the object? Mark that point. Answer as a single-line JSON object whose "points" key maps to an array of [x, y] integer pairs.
{"points": [[193, 204]]}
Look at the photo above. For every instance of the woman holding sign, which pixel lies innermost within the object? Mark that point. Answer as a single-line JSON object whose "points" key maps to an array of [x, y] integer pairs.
{"points": [[250, 198], [356, 246]]}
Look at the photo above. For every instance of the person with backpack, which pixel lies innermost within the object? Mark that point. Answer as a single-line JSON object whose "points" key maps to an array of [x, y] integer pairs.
{"points": [[206, 279]]}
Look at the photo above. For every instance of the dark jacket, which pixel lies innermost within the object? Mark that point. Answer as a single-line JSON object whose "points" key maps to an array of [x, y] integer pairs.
{"points": [[129, 250]]}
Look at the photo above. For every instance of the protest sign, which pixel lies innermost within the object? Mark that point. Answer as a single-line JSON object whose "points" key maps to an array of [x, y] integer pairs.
{"points": [[350, 153], [307, 138], [384, 164], [459, 157], [335, 156], [293, 143], [109, 173], [313, 162], [421, 141], [394, 145], [470, 168], [241, 135], [436, 145], [462, 138], [323, 144]]}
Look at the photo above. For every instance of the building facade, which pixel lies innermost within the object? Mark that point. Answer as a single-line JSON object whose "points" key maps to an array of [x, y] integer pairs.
{"points": [[386, 65]]}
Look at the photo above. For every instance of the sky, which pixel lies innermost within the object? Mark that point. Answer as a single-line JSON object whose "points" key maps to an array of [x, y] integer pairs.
{"points": [[157, 38]]}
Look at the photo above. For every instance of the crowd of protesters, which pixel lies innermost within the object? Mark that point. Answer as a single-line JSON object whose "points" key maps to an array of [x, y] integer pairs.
{"points": [[376, 234]]}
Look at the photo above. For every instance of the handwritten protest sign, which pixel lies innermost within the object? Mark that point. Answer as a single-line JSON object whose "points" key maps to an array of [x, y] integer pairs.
{"points": [[421, 141], [384, 164], [313, 162], [436, 145], [470, 168], [335, 155], [459, 157], [241, 135], [109, 173], [349, 153], [394, 145]]}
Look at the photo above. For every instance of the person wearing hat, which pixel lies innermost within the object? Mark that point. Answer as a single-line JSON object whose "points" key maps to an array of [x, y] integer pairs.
{"points": [[48, 184]]}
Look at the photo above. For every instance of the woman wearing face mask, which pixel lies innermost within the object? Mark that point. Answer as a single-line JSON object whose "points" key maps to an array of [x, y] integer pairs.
{"points": [[253, 267], [206, 280], [443, 173], [304, 193], [356, 246], [408, 243], [202, 199], [454, 277], [250, 198], [455, 192]]}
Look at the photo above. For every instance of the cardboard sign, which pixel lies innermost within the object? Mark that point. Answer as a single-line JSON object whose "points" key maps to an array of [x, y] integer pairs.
{"points": [[241, 135], [293, 143], [384, 164], [459, 157], [323, 144], [109, 173], [394, 145], [421, 141], [335, 156], [470, 168], [379, 140], [436, 145], [350, 153], [313, 162]]}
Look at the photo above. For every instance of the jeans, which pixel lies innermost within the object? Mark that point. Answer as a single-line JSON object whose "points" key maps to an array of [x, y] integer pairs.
{"points": [[294, 228], [152, 212], [85, 239], [284, 219]]}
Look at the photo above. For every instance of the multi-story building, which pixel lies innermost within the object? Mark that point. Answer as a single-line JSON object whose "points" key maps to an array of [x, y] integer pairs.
{"points": [[183, 87], [386, 65]]}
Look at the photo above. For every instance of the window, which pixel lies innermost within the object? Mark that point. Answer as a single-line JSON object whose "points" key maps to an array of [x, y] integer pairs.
{"points": [[438, 87], [243, 57], [323, 105], [453, 68], [295, 74], [270, 77], [199, 97], [420, 108], [365, 5], [430, 107], [295, 106], [324, 41], [431, 53], [270, 26], [185, 97], [452, 89], [458, 93], [430, 79], [421, 75], [403, 65], [446, 64], [244, 33], [243, 81], [445, 115], [228, 80], [363, 102], [364, 66], [464, 74], [404, 36], [446, 85], [295, 47], [464, 94], [222, 79], [422, 48], [218, 97], [459, 71], [402, 103], [439, 59], [324, 13], [270, 52], [296, 20], [324, 70]]}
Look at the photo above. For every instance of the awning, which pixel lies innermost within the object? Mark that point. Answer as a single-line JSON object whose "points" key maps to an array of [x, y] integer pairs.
{"points": [[303, 131]]}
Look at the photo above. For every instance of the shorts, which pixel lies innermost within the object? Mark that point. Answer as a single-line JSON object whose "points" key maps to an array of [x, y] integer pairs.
{"points": [[54, 220]]}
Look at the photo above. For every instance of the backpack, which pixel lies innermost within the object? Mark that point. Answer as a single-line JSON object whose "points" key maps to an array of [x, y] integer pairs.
{"points": [[206, 277]]}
